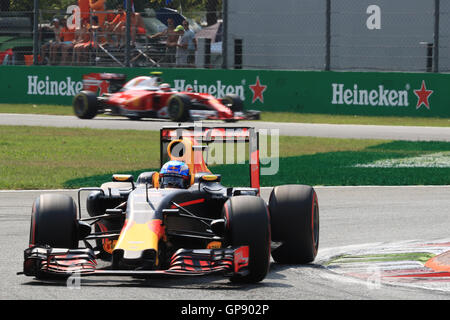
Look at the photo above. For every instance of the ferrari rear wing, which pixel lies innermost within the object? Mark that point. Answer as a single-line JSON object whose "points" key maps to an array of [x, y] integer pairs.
{"points": [[203, 135]]}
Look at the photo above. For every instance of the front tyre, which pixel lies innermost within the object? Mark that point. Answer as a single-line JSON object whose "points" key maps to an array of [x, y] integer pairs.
{"points": [[85, 105], [248, 224], [54, 222], [294, 216], [178, 107]]}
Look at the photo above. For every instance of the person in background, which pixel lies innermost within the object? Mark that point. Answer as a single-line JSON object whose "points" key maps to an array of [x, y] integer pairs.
{"points": [[137, 27], [171, 41], [182, 47], [50, 49], [115, 26], [83, 5], [96, 33], [82, 42], [99, 10], [189, 36], [67, 37]]}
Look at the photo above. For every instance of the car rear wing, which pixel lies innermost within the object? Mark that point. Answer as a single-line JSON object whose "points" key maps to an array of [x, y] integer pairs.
{"points": [[196, 138], [101, 83]]}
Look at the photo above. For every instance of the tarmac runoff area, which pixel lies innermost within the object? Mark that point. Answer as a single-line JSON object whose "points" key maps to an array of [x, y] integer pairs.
{"points": [[419, 264]]}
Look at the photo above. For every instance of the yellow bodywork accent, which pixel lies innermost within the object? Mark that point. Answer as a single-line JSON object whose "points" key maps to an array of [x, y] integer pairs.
{"points": [[209, 177], [122, 177], [137, 237], [214, 245]]}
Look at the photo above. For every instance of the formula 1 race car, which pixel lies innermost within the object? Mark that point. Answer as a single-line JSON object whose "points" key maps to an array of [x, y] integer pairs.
{"points": [[148, 97], [144, 228]]}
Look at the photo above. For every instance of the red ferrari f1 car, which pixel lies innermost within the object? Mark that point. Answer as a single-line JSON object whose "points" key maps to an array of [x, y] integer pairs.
{"points": [[150, 228], [148, 97]]}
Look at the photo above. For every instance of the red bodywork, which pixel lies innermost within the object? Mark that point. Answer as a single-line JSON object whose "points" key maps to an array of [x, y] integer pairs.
{"points": [[152, 101]]}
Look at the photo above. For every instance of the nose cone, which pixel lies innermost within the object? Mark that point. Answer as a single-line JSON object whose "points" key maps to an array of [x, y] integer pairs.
{"points": [[138, 243]]}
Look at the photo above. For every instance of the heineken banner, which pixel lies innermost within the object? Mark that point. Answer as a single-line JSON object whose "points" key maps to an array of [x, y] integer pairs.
{"points": [[350, 93]]}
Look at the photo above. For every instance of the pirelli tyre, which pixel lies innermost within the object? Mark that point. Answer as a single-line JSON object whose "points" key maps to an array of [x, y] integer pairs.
{"points": [[85, 105], [294, 217], [54, 222], [178, 107], [247, 223]]}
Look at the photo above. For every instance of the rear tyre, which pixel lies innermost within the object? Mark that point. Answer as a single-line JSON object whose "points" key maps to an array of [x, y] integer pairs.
{"points": [[178, 107], [234, 102], [54, 222], [85, 105], [247, 222], [294, 216]]}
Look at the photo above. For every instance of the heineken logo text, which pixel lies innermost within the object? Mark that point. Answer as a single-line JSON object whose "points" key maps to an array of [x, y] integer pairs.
{"points": [[361, 97], [217, 89], [48, 87]]}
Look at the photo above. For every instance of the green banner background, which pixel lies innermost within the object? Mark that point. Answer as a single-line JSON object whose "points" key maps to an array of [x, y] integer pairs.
{"points": [[351, 93]]}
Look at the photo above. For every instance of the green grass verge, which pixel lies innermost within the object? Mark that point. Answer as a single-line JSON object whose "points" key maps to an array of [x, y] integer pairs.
{"points": [[37, 109], [265, 116], [47, 158], [344, 119], [422, 257]]}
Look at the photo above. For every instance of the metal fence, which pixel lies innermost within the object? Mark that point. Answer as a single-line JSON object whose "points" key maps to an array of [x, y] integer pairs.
{"points": [[378, 35], [111, 33], [374, 35]]}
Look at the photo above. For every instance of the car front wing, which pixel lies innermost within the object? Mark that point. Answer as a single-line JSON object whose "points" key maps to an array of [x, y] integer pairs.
{"points": [[54, 262]]}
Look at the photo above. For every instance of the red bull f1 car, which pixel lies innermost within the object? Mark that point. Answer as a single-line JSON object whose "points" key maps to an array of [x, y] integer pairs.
{"points": [[148, 97], [138, 228]]}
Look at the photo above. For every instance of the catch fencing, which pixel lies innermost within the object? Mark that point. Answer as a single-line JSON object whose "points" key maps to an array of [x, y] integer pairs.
{"points": [[355, 35]]}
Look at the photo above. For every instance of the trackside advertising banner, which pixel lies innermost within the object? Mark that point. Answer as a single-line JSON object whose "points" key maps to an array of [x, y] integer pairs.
{"points": [[350, 93]]}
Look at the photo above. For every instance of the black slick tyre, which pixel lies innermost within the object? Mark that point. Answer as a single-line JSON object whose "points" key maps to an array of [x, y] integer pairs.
{"points": [[85, 105], [178, 107], [54, 222], [234, 102], [294, 216], [247, 223]]}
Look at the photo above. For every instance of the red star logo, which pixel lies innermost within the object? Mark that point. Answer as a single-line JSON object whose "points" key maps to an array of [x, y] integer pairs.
{"points": [[423, 94], [258, 91], [104, 87]]}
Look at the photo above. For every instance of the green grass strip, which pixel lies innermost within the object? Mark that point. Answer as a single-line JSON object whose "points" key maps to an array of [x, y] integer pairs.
{"points": [[351, 119], [47, 158], [408, 256]]}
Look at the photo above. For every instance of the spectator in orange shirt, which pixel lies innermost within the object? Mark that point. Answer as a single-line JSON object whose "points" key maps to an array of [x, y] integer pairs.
{"points": [[98, 9], [82, 42], [115, 27], [137, 27], [67, 37]]}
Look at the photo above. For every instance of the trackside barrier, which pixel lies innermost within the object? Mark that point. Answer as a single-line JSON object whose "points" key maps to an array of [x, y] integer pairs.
{"points": [[347, 93]]}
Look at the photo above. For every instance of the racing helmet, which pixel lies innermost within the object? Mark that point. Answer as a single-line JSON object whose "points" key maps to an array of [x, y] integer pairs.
{"points": [[165, 87], [174, 174]]}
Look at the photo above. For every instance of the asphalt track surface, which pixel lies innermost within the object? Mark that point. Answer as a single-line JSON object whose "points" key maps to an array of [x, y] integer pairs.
{"points": [[348, 216], [287, 129]]}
